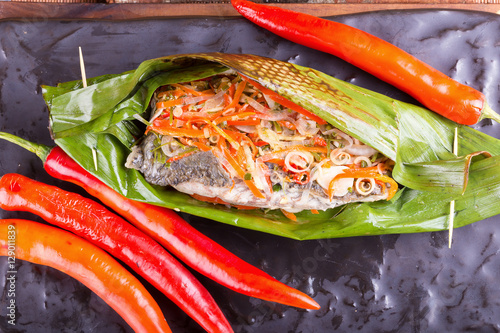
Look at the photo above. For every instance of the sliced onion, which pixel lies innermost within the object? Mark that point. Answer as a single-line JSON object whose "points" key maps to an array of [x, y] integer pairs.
{"points": [[249, 157], [246, 128], [269, 101], [326, 175], [302, 159], [266, 113], [225, 163], [317, 170], [365, 186], [361, 149], [344, 136], [261, 174], [342, 186], [169, 146], [256, 105], [268, 135], [276, 177], [365, 159], [215, 103], [306, 127], [196, 99], [340, 157]]}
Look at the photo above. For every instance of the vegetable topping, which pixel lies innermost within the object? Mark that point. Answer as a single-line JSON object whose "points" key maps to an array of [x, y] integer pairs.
{"points": [[264, 140]]}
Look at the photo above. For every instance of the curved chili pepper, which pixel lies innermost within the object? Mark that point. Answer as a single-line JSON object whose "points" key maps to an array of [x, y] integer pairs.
{"points": [[174, 233], [90, 220], [432, 88], [59, 249]]}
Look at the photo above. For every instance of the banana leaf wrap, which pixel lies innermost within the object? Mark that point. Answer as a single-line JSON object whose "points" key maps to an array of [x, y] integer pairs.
{"points": [[96, 126]]}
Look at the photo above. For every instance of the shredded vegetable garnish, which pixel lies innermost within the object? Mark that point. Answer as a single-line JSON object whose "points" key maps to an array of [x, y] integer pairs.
{"points": [[269, 143]]}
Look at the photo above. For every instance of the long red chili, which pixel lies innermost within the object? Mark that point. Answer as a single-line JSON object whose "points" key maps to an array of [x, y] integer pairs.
{"points": [[179, 237], [432, 88], [59, 249], [90, 220]]}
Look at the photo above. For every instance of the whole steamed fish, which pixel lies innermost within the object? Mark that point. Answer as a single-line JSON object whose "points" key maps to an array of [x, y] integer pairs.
{"points": [[222, 139], [244, 131]]}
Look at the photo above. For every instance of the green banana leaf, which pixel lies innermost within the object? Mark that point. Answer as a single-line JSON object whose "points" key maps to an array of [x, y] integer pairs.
{"points": [[96, 126]]}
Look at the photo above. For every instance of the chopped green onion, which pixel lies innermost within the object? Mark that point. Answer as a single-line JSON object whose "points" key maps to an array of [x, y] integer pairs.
{"points": [[317, 156], [141, 119], [248, 176], [277, 127], [276, 187]]}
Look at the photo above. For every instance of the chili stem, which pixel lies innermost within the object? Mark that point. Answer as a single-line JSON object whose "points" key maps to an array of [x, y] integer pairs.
{"points": [[42, 151], [488, 112]]}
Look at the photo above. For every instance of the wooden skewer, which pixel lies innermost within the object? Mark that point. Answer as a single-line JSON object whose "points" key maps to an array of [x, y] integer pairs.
{"points": [[452, 203], [82, 68], [84, 82]]}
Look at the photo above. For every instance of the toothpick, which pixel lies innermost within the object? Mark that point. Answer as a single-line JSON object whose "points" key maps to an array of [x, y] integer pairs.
{"points": [[84, 82], [82, 68], [452, 203], [94, 157]]}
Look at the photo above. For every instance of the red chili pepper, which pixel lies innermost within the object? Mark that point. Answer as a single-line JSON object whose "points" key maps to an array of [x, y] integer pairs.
{"points": [[175, 234], [432, 88], [261, 143], [319, 141], [302, 178], [90, 220], [45, 245]]}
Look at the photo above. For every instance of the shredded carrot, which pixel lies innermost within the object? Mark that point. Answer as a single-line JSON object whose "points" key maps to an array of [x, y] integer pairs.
{"points": [[181, 156], [314, 211], [289, 215], [287, 124], [241, 173], [169, 103], [172, 93], [199, 116], [201, 146], [222, 133], [247, 122], [247, 141], [237, 95], [162, 126]]}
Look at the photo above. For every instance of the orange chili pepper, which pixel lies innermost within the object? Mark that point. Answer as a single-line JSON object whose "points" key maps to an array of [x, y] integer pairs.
{"points": [[434, 89], [45, 245], [90, 220]]}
